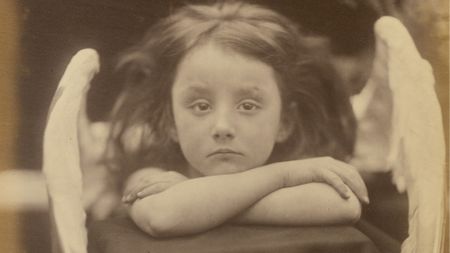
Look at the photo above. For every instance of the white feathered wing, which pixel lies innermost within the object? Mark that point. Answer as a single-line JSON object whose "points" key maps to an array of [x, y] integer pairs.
{"points": [[417, 148], [61, 163]]}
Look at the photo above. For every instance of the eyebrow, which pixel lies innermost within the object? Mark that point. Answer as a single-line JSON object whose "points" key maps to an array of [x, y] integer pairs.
{"points": [[197, 89], [242, 92], [253, 92]]}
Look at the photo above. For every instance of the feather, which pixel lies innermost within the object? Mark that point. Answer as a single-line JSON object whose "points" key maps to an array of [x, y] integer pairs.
{"points": [[417, 148], [61, 152]]}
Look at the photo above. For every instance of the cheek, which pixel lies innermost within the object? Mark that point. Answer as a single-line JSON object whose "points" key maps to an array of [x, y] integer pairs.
{"points": [[270, 124], [188, 130], [187, 136], [263, 131]]}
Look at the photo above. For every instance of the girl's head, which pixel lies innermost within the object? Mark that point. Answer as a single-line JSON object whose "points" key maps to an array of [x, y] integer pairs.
{"points": [[227, 87]]}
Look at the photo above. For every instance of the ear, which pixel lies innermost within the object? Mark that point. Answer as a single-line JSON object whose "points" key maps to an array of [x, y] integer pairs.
{"points": [[287, 124], [284, 132]]}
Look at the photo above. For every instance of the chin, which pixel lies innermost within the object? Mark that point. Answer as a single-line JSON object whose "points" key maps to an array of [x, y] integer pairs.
{"points": [[227, 168], [216, 167]]}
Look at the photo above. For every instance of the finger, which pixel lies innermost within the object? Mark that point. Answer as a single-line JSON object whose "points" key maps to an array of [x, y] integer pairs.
{"points": [[334, 181], [151, 186], [153, 189], [145, 191], [129, 198], [129, 187], [352, 179], [141, 179], [130, 194]]}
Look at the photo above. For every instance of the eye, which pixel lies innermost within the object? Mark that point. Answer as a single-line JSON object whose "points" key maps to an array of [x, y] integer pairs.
{"points": [[248, 106], [201, 107]]}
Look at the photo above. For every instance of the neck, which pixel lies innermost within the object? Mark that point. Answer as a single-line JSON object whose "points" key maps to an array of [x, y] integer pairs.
{"points": [[192, 173]]}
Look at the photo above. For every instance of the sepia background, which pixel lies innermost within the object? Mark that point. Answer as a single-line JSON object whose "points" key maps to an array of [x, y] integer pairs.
{"points": [[38, 38]]}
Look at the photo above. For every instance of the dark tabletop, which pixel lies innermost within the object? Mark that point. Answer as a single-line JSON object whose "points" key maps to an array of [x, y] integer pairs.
{"points": [[120, 235]]}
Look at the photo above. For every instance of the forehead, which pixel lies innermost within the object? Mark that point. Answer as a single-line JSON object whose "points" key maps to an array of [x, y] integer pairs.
{"points": [[212, 65]]}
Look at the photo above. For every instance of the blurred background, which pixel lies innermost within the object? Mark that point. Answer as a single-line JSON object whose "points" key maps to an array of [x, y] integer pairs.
{"points": [[39, 37]]}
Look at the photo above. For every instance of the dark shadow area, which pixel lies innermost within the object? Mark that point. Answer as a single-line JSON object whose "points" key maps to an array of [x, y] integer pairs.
{"points": [[388, 209], [35, 231]]}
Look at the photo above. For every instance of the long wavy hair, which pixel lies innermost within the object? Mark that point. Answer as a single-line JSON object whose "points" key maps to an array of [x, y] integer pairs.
{"points": [[315, 105]]}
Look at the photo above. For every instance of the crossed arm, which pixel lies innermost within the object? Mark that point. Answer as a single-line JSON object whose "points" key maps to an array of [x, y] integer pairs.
{"points": [[303, 192]]}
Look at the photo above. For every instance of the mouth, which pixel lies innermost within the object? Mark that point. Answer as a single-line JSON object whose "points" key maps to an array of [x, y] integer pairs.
{"points": [[224, 151]]}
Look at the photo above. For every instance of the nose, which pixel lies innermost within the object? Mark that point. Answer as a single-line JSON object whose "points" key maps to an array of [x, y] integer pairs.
{"points": [[223, 128]]}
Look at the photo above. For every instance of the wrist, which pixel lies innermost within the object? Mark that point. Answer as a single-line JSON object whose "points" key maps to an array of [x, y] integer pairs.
{"points": [[278, 173], [291, 173]]}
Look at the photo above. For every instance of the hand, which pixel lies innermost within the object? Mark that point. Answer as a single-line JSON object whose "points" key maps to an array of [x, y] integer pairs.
{"points": [[149, 181], [337, 174]]}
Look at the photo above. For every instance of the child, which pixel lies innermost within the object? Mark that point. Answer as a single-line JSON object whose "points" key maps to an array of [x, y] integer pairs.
{"points": [[224, 99]]}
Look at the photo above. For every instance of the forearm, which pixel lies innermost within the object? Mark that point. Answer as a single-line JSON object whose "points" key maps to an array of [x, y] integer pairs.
{"points": [[308, 204], [199, 204]]}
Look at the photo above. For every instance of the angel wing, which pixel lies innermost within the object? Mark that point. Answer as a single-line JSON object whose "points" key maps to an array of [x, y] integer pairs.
{"points": [[61, 164], [416, 153]]}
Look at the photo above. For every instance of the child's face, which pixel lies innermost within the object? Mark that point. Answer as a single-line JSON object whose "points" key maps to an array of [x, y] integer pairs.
{"points": [[227, 111]]}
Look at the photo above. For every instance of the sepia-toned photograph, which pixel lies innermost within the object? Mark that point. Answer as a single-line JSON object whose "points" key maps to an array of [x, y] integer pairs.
{"points": [[224, 126]]}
